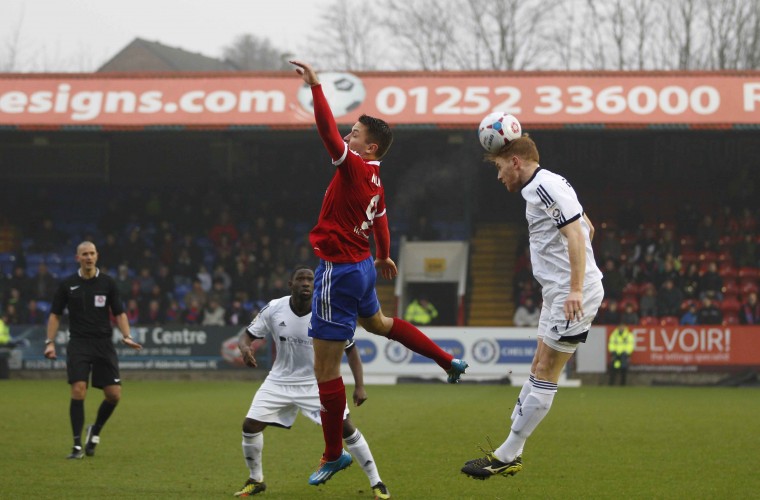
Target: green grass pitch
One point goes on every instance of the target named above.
(182, 440)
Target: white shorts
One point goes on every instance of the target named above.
(278, 404)
(552, 325)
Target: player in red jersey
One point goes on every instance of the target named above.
(344, 284)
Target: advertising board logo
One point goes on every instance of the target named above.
(484, 351)
(397, 353)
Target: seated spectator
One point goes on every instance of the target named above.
(133, 312)
(707, 234)
(21, 282)
(645, 271)
(629, 315)
(174, 314)
(646, 245)
(667, 271)
(609, 316)
(145, 282)
(749, 314)
(690, 282)
(527, 313)
(204, 277)
(711, 282)
(648, 301)
(237, 315)
(746, 251)
(612, 280)
(44, 284)
(184, 268)
(34, 315)
(709, 313)
(669, 299)
(610, 248)
(690, 317)
(668, 245)
(223, 227)
(196, 294)
(193, 314)
(218, 292)
(153, 315)
(14, 315)
(213, 314)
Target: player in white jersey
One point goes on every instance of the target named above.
(291, 384)
(563, 262)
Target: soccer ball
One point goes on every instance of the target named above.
(497, 129)
(343, 91)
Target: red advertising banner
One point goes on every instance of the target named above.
(704, 345)
(446, 99)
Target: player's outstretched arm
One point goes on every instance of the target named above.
(306, 71)
(122, 322)
(326, 125)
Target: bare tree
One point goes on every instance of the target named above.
(347, 37)
(749, 42)
(510, 34)
(11, 48)
(251, 53)
(424, 31)
(683, 24)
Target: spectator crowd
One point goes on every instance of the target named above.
(698, 269)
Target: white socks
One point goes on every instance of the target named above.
(359, 448)
(252, 446)
(527, 386)
(534, 408)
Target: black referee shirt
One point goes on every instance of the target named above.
(89, 302)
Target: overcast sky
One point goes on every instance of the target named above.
(88, 32)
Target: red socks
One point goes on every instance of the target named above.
(332, 395)
(410, 337)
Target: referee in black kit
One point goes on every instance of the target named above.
(89, 294)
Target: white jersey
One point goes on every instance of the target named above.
(551, 205)
(294, 362)
(294, 359)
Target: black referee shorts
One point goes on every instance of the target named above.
(96, 356)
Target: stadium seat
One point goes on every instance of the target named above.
(688, 242)
(649, 321)
(43, 306)
(727, 271)
(730, 305)
(633, 303)
(688, 257)
(708, 256)
(725, 257)
(730, 319)
(730, 287)
(748, 287)
(686, 303)
(669, 321)
(631, 289)
(749, 272)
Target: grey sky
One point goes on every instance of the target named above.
(71, 35)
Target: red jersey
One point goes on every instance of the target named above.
(354, 204)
